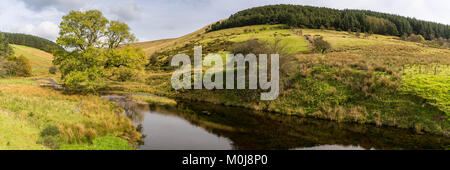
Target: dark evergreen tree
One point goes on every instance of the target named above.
(316, 17)
(31, 41)
(5, 49)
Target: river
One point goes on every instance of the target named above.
(204, 126)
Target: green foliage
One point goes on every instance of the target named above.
(320, 45)
(129, 57)
(123, 74)
(82, 30)
(102, 143)
(5, 49)
(23, 66)
(89, 63)
(51, 142)
(49, 137)
(52, 70)
(87, 81)
(315, 17)
(415, 38)
(15, 66)
(50, 131)
(381, 26)
(32, 41)
(118, 33)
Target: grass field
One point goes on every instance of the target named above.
(368, 79)
(79, 118)
(40, 60)
(26, 110)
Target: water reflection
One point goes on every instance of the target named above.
(206, 126)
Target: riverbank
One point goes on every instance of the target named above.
(364, 79)
(44, 118)
(200, 125)
(327, 100)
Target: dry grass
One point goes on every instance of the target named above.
(357, 81)
(80, 118)
(40, 60)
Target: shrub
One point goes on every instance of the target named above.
(250, 46)
(49, 137)
(320, 45)
(15, 66)
(23, 66)
(87, 81)
(51, 142)
(50, 131)
(7, 68)
(52, 70)
(415, 38)
(124, 74)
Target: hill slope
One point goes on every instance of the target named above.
(28, 110)
(316, 17)
(31, 41)
(40, 60)
(371, 78)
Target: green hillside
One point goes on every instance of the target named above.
(366, 78)
(40, 60)
(28, 111)
(341, 20)
(31, 41)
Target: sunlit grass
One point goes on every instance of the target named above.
(80, 118)
(17, 133)
(434, 88)
(156, 100)
(40, 60)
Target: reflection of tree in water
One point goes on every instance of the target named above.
(134, 111)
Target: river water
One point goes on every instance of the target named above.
(204, 126)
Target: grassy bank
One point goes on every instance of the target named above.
(34, 117)
(371, 79)
(79, 119)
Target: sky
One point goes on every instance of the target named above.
(160, 19)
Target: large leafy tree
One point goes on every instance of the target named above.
(118, 33)
(93, 48)
(81, 30)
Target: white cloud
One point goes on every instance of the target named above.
(46, 29)
(127, 11)
(157, 19)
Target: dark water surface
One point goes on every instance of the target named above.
(200, 126)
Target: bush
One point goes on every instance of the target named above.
(87, 81)
(50, 131)
(320, 45)
(49, 137)
(23, 66)
(250, 46)
(51, 142)
(7, 68)
(52, 70)
(124, 74)
(416, 38)
(15, 66)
